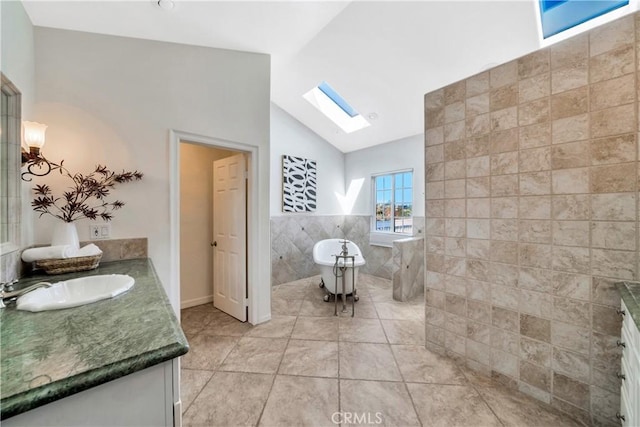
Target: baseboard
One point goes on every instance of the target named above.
(263, 319)
(196, 301)
(177, 414)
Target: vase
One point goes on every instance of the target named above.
(66, 234)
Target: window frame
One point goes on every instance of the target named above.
(382, 237)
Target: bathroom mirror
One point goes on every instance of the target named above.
(10, 125)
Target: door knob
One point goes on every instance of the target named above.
(214, 244)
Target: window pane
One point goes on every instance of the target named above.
(379, 182)
(406, 196)
(408, 180)
(407, 210)
(387, 182)
(398, 197)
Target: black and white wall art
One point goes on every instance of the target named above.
(298, 184)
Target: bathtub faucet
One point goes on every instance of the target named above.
(345, 250)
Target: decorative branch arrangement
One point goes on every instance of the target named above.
(38, 165)
(86, 198)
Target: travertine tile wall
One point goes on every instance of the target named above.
(532, 215)
(292, 240)
(293, 237)
(112, 250)
(408, 268)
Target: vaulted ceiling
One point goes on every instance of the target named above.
(382, 56)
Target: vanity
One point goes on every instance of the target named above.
(629, 414)
(106, 363)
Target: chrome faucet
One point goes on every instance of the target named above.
(8, 294)
(345, 250)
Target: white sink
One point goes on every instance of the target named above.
(75, 292)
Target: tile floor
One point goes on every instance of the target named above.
(307, 367)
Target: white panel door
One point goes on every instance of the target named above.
(229, 236)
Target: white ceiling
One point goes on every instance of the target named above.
(382, 56)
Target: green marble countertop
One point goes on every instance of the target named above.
(49, 355)
(630, 293)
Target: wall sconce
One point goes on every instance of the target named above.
(37, 164)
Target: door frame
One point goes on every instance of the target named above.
(253, 236)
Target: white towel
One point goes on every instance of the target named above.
(49, 252)
(88, 250)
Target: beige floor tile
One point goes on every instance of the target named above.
(195, 319)
(417, 364)
(260, 355)
(365, 309)
(316, 308)
(225, 325)
(354, 329)
(516, 409)
(294, 290)
(230, 399)
(404, 331)
(285, 307)
(380, 402)
(316, 328)
(365, 361)
(207, 352)
(301, 401)
(192, 382)
(305, 391)
(277, 327)
(451, 405)
(371, 282)
(315, 292)
(380, 295)
(310, 358)
(399, 311)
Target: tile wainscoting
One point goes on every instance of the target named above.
(12, 267)
(408, 271)
(293, 237)
(532, 215)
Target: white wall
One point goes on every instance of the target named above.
(17, 62)
(17, 59)
(406, 153)
(196, 222)
(289, 136)
(113, 100)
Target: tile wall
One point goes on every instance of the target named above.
(408, 268)
(112, 250)
(532, 215)
(293, 237)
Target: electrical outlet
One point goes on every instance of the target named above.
(100, 231)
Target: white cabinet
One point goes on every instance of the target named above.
(144, 398)
(629, 414)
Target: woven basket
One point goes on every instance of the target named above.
(69, 265)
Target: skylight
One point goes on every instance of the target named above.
(557, 16)
(335, 107)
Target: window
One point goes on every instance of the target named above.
(394, 202)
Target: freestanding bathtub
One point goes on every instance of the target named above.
(324, 253)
